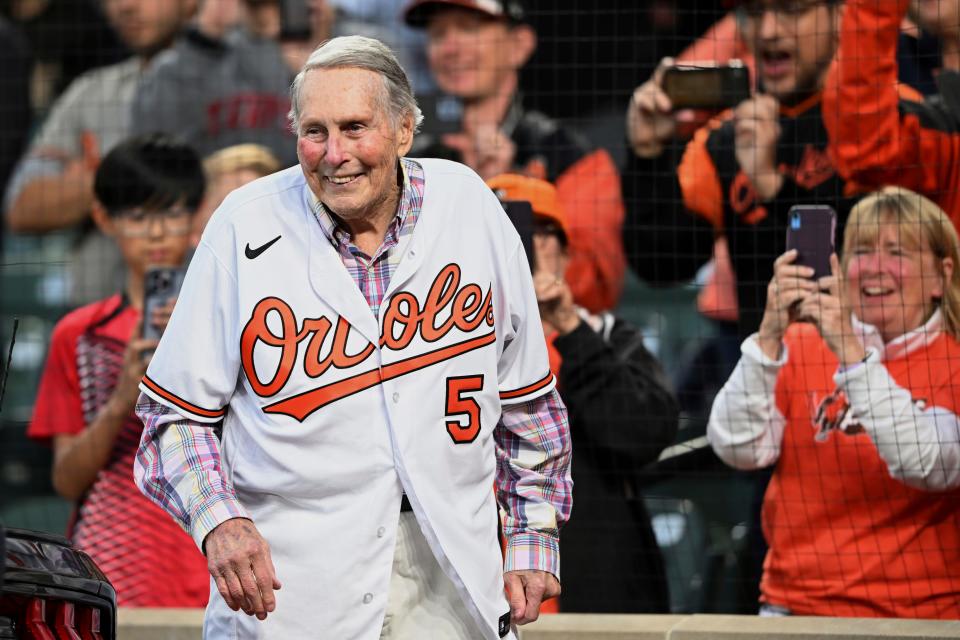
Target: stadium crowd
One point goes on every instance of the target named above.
(833, 387)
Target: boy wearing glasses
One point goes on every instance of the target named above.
(147, 190)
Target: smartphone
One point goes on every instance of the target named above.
(160, 284)
(520, 213)
(294, 20)
(811, 229)
(441, 114)
(707, 87)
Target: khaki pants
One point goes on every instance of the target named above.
(423, 603)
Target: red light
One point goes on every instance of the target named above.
(35, 621)
(88, 623)
(64, 622)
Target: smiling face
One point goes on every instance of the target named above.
(893, 279)
(349, 145)
(473, 56)
(793, 41)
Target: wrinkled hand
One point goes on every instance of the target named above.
(827, 309)
(790, 284)
(555, 301)
(756, 131)
(650, 121)
(486, 149)
(527, 589)
(134, 366)
(239, 560)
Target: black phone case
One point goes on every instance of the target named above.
(693, 87)
(811, 230)
(521, 215)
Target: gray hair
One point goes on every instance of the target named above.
(362, 53)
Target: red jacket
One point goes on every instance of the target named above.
(882, 133)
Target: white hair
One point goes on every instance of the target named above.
(362, 53)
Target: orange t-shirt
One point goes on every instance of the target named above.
(847, 539)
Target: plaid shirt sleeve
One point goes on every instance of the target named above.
(178, 468)
(534, 487)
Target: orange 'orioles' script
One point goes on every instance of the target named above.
(403, 319)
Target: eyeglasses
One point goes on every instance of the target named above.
(755, 9)
(138, 223)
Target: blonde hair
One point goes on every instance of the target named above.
(239, 157)
(921, 225)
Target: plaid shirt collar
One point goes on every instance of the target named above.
(411, 198)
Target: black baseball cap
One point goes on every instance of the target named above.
(418, 12)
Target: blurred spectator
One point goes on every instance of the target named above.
(66, 39)
(739, 175)
(146, 192)
(230, 169)
(476, 49)
(220, 85)
(883, 134)
(621, 417)
(52, 186)
(857, 407)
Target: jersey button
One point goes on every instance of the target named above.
(396, 396)
(381, 531)
(367, 598)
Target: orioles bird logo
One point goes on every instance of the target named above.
(833, 414)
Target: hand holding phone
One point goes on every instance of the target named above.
(161, 285)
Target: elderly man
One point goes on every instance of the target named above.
(366, 328)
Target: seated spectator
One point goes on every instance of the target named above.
(881, 134)
(621, 417)
(475, 50)
(52, 186)
(226, 170)
(220, 85)
(857, 408)
(146, 192)
(740, 174)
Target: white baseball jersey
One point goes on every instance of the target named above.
(331, 413)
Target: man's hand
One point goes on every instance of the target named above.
(526, 590)
(757, 131)
(486, 149)
(239, 560)
(650, 121)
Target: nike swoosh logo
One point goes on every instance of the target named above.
(253, 253)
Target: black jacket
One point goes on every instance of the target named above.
(622, 416)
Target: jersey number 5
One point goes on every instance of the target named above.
(466, 411)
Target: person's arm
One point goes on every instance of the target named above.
(178, 467)
(616, 391)
(920, 444)
(746, 427)
(534, 490)
(591, 195)
(78, 458)
(876, 137)
(52, 186)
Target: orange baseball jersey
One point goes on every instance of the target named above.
(330, 413)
